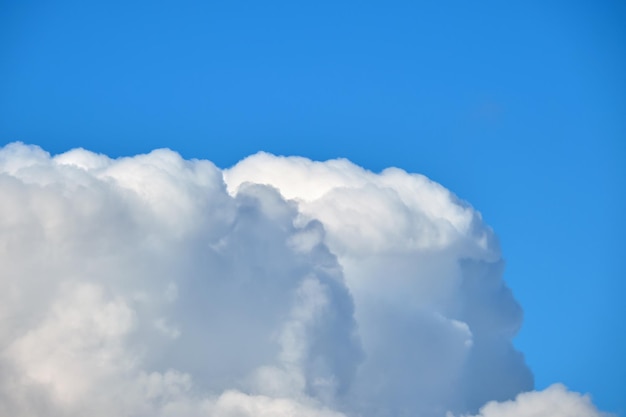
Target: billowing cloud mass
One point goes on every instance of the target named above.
(158, 286)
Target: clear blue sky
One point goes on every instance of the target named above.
(519, 107)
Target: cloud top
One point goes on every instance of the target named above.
(157, 286)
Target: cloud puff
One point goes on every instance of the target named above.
(435, 318)
(554, 401)
(158, 286)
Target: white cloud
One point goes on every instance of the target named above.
(433, 313)
(158, 286)
(554, 401)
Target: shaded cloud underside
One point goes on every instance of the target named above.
(158, 286)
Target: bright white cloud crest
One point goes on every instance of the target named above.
(158, 286)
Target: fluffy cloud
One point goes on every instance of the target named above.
(434, 316)
(554, 401)
(158, 286)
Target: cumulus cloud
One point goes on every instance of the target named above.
(554, 401)
(157, 286)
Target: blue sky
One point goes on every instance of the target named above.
(517, 107)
